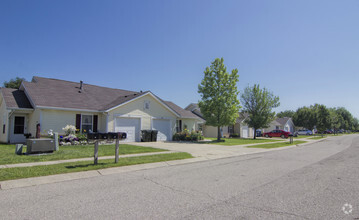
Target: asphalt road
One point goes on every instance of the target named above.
(308, 182)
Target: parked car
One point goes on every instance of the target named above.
(328, 132)
(277, 133)
(304, 132)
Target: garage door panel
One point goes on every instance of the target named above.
(131, 126)
(163, 127)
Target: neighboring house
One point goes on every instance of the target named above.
(240, 127)
(285, 124)
(53, 104)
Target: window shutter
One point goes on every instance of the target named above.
(95, 122)
(78, 121)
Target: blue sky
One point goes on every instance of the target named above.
(304, 51)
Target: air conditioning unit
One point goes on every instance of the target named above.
(43, 145)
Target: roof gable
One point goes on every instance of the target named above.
(15, 99)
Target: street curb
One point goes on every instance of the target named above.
(35, 181)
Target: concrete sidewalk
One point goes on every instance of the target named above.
(214, 152)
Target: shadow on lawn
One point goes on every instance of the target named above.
(83, 165)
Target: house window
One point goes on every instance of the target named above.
(86, 123)
(19, 125)
(277, 127)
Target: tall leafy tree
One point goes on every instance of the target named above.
(336, 120)
(323, 121)
(219, 103)
(258, 103)
(286, 113)
(14, 83)
(305, 117)
(347, 117)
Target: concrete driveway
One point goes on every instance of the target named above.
(212, 151)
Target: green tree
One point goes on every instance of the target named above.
(286, 113)
(336, 120)
(14, 83)
(219, 103)
(347, 117)
(305, 117)
(258, 103)
(323, 121)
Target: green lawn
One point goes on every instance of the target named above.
(8, 156)
(26, 172)
(239, 141)
(275, 145)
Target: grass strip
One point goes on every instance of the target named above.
(275, 145)
(8, 156)
(26, 172)
(238, 141)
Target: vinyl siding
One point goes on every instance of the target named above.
(136, 109)
(57, 119)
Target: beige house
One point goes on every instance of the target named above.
(50, 104)
(240, 128)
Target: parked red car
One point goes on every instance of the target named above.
(277, 133)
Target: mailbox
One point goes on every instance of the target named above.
(93, 136)
(103, 135)
(112, 135)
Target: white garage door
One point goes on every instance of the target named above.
(163, 127)
(245, 132)
(131, 126)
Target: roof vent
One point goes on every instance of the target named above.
(81, 86)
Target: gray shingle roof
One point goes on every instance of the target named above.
(182, 112)
(46, 92)
(64, 94)
(282, 121)
(15, 98)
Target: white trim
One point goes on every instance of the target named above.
(21, 109)
(147, 93)
(92, 122)
(107, 117)
(68, 109)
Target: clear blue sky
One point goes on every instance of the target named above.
(304, 51)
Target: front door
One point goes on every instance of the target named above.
(18, 129)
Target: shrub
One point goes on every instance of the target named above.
(234, 135)
(186, 136)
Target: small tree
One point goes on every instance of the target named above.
(14, 83)
(218, 90)
(258, 103)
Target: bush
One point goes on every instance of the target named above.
(186, 136)
(234, 135)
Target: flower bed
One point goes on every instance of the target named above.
(185, 135)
